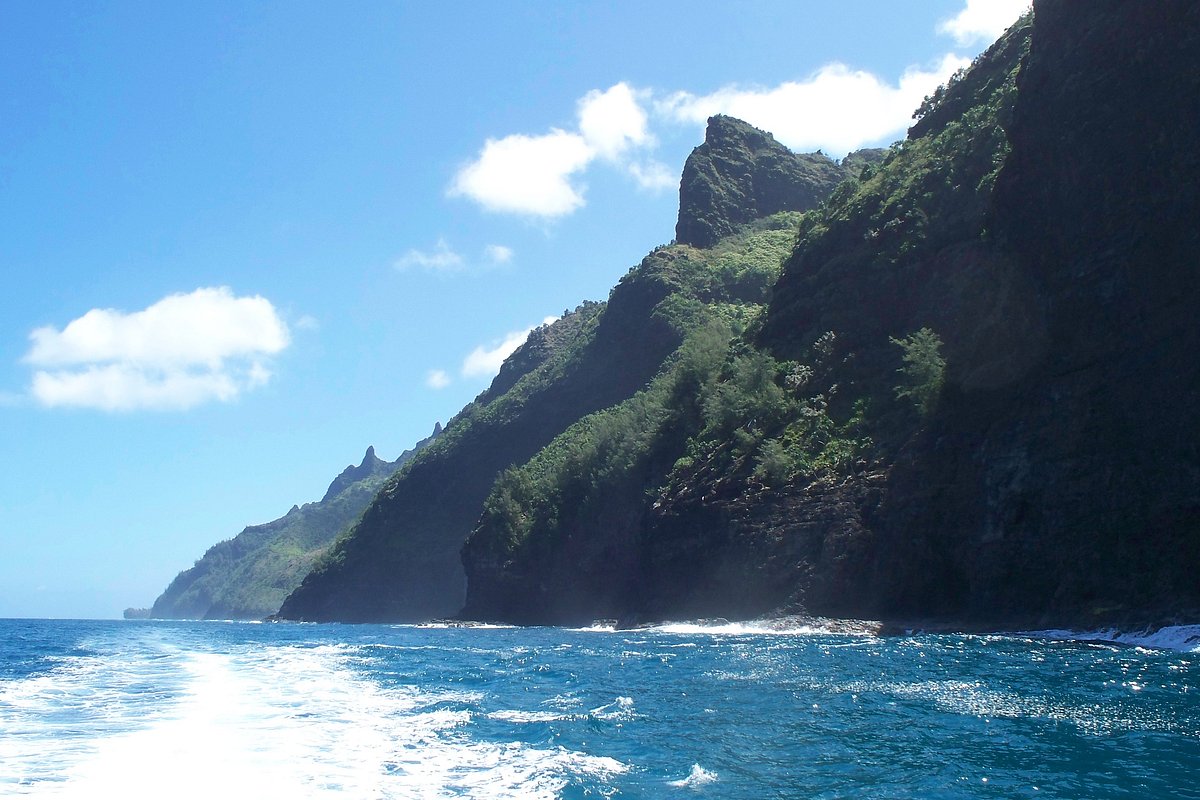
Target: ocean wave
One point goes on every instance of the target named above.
(1183, 638)
(697, 778)
(789, 626)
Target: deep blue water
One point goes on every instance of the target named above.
(222, 710)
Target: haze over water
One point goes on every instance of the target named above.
(141, 710)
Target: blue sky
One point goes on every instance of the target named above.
(242, 242)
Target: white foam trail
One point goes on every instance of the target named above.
(698, 777)
(1184, 638)
(287, 722)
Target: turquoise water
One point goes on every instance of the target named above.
(203, 710)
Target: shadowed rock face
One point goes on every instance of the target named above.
(1040, 220)
(741, 174)
(401, 562)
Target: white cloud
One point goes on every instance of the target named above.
(612, 121)
(441, 259)
(182, 351)
(653, 175)
(983, 20)
(538, 175)
(485, 361)
(437, 379)
(498, 254)
(527, 174)
(837, 109)
(308, 323)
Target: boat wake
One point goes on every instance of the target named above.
(289, 721)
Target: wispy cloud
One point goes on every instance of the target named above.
(982, 20)
(444, 259)
(497, 254)
(485, 361)
(652, 175)
(308, 323)
(184, 350)
(437, 379)
(441, 259)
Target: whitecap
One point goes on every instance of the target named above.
(697, 778)
(514, 715)
(1184, 638)
(787, 626)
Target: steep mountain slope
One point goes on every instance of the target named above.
(402, 560)
(740, 174)
(1077, 493)
(248, 576)
(970, 397)
(768, 450)
(555, 542)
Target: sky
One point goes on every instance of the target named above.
(242, 241)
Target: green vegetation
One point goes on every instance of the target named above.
(726, 437)
(718, 405)
(248, 576)
(753, 402)
(924, 369)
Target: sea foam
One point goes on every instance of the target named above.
(292, 722)
(1184, 638)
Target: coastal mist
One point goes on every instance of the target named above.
(201, 710)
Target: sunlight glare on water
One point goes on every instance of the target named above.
(192, 710)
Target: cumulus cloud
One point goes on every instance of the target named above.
(527, 174)
(440, 259)
(612, 121)
(182, 351)
(484, 361)
(837, 109)
(983, 20)
(437, 379)
(538, 176)
(497, 254)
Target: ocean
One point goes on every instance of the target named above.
(139, 709)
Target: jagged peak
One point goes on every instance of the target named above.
(370, 465)
(370, 458)
(741, 173)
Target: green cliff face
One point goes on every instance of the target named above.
(714, 491)
(248, 576)
(740, 174)
(970, 396)
(967, 392)
(402, 561)
(557, 540)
